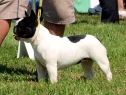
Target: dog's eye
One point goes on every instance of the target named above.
(22, 25)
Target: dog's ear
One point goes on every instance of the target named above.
(26, 14)
(33, 16)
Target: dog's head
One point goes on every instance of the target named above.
(25, 27)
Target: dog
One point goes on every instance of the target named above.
(53, 53)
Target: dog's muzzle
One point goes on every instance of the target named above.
(15, 33)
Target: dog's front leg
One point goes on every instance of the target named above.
(41, 71)
(52, 71)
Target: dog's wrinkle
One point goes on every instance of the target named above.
(23, 29)
(18, 27)
(24, 32)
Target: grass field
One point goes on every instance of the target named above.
(18, 76)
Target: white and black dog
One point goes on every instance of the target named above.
(53, 52)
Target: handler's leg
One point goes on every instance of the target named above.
(55, 29)
(4, 29)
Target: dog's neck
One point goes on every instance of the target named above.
(35, 35)
(40, 33)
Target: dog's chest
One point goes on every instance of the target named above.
(39, 58)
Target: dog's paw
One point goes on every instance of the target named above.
(109, 76)
(89, 75)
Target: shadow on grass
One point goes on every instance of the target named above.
(84, 22)
(27, 75)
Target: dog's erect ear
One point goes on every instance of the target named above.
(33, 15)
(26, 14)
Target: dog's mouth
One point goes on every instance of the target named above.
(15, 34)
(16, 37)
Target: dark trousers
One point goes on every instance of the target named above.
(109, 11)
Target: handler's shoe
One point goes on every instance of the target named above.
(122, 15)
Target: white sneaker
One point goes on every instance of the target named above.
(122, 14)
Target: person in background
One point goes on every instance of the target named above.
(121, 10)
(11, 9)
(109, 11)
(56, 14)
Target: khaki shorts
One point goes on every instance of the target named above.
(11, 9)
(59, 11)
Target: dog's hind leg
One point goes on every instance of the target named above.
(103, 63)
(41, 71)
(87, 64)
(99, 55)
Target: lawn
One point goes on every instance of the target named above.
(18, 76)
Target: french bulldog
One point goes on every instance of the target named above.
(53, 53)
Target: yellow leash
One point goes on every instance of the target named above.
(39, 11)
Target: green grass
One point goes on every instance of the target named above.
(18, 76)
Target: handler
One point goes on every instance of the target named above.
(56, 14)
(11, 9)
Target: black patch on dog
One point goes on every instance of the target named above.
(76, 38)
(26, 27)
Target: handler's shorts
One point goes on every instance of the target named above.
(59, 11)
(10, 9)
